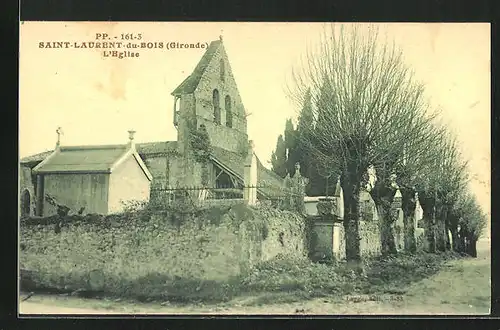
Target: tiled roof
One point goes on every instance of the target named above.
(145, 149)
(83, 158)
(267, 177)
(150, 148)
(191, 82)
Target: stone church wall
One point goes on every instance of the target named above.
(235, 138)
(225, 137)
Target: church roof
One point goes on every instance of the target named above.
(37, 158)
(189, 84)
(152, 148)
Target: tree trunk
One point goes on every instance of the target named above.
(472, 249)
(440, 229)
(447, 230)
(461, 241)
(440, 236)
(410, 239)
(454, 238)
(409, 205)
(386, 218)
(428, 203)
(383, 196)
(429, 228)
(351, 188)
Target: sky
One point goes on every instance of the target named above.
(96, 99)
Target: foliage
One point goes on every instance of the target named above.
(471, 222)
(278, 158)
(291, 145)
(200, 142)
(297, 152)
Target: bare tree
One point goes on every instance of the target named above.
(418, 164)
(362, 95)
(452, 178)
(471, 222)
(401, 166)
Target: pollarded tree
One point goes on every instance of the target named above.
(358, 84)
(399, 166)
(439, 189)
(472, 222)
(417, 164)
(452, 178)
(426, 186)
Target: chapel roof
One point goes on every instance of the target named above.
(147, 148)
(83, 159)
(88, 159)
(189, 84)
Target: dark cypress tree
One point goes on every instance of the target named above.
(291, 147)
(305, 124)
(278, 158)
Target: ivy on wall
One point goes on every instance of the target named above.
(200, 143)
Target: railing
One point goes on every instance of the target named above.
(276, 197)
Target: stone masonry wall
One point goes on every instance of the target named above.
(26, 184)
(369, 233)
(215, 245)
(285, 234)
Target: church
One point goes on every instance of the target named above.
(212, 153)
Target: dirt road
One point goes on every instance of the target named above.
(462, 287)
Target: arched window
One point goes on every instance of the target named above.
(222, 70)
(229, 114)
(25, 203)
(215, 101)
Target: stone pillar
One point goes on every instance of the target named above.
(339, 201)
(338, 240)
(321, 239)
(250, 177)
(398, 221)
(322, 231)
(300, 190)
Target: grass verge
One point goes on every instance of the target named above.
(286, 280)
